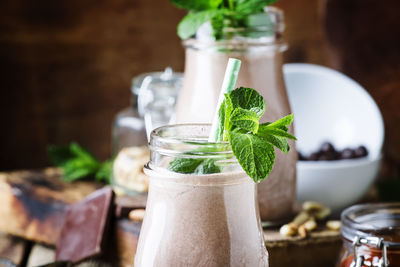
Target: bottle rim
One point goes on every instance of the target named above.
(187, 141)
(370, 220)
(191, 141)
(240, 38)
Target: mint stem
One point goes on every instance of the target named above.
(228, 84)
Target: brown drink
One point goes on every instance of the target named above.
(198, 220)
(262, 60)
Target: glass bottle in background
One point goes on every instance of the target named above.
(153, 104)
(198, 219)
(260, 49)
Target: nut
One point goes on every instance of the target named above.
(312, 206)
(334, 225)
(322, 214)
(288, 230)
(137, 215)
(303, 231)
(316, 210)
(301, 218)
(310, 225)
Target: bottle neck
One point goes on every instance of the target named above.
(262, 30)
(178, 151)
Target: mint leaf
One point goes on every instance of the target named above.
(104, 171)
(245, 119)
(279, 142)
(217, 24)
(269, 130)
(196, 4)
(59, 155)
(252, 143)
(228, 14)
(247, 7)
(247, 98)
(184, 165)
(283, 122)
(207, 166)
(192, 165)
(254, 155)
(78, 163)
(192, 22)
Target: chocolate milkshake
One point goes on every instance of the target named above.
(262, 60)
(198, 219)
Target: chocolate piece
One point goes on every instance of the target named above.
(84, 227)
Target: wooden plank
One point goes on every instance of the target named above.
(34, 202)
(123, 242)
(322, 248)
(12, 248)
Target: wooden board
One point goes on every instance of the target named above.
(322, 248)
(13, 248)
(34, 202)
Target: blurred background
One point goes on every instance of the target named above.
(66, 66)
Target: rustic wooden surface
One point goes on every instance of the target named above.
(65, 68)
(322, 248)
(34, 202)
(33, 206)
(13, 248)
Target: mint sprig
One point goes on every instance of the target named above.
(78, 163)
(222, 14)
(252, 143)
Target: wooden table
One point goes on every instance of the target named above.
(33, 209)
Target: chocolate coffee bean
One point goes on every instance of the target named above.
(360, 152)
(327, 151)
(301, 156)
(313, 156)
(327, 147)
(347, 154)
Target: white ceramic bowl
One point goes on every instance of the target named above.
(329, 106)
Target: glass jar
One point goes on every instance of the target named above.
(261, 53)
(371, 235)
(198, 219)
(153, 103)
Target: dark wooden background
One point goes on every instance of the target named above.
(66, 66)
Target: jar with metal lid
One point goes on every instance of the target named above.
(153, 103)
(371, 235)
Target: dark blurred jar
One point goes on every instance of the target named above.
(153, 103)
(371, 236)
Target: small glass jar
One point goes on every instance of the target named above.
(371, 235)
(153, 102)
(198, 219)
(260, 48)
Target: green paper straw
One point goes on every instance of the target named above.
(230, 78)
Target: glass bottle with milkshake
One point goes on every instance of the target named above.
(202, 205)
(256, 38)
